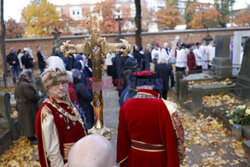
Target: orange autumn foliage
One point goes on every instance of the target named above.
(204, 16)
(107, 8)
(13, 29)
(168, 18)
(243, 17)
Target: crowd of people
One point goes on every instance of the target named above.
(149, 133)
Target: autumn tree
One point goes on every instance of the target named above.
(188, 16)
(224, 7)
(107, 9)
(168, 18)
(40, 18)
(243, 17)
(13, 29)
(204, 16)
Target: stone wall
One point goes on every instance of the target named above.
(166, 36)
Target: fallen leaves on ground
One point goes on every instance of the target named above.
(20, 154)
(219, 100)
(211, 143)
(226, 81)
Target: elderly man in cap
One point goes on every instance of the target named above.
(91, 151)
(146, 134)
(27, 104)
(58, 121)
(14, 64)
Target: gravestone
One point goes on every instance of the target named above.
(243, 80)
(178, 77)
(4, 110)
(222, 64)
(246, 145)
(237, 40)
(183, 90)
(9, 130)
(197, 94)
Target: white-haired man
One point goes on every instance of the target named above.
(91, 151)
(165, 52)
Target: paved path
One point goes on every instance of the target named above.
(208, 143)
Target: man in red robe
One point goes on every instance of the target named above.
(58, 122)
(146, 136)
(191, 63)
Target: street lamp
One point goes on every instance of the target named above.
(119, 18)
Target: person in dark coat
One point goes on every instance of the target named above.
(163, 72)
(147, 56)
(137, 55)
(41, 59)
(13, 62)
(27, 104)
(27, 60)
(84, 98)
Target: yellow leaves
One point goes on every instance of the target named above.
(218, 100)
(238, 149)
(40, 18)
(20, 154)
(227, 81)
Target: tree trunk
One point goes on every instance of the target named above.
(3, 43)
(138, 23)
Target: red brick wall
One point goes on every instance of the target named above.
(168, 36)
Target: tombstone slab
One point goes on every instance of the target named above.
(243, 80)
(183, 90)
(246, 145)
(178, 77)
(4, 110)
(197, 94)
(222, 63)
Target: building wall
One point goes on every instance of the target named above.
(186, 36)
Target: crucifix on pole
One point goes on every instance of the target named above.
(119, 18)
(96, 47)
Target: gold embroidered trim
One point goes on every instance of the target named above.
(123, 160)
(136, 141)
(162, 150)
(44, 150)
(77, 116)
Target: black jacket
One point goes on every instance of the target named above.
(27, 61)
(12, 59)
(163, 72)
(41, 61)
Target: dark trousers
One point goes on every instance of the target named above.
(199, 69)
(209, 66)
(182, 69)
(109, 70)
(164, 94)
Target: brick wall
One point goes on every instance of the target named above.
(166, 36)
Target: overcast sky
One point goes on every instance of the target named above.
(13, 8)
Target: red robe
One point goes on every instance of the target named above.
(72, 92)
(75, 133)
(144, 125)
(191, 63)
